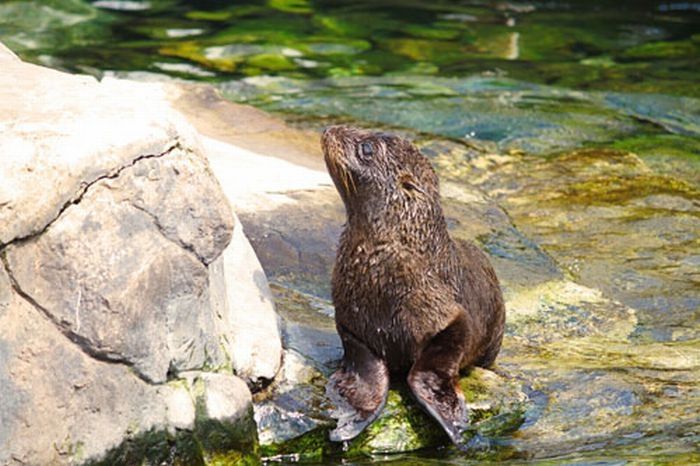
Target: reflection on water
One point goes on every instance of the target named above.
(646, 46)
(566, 134)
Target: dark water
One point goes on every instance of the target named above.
(587, 116)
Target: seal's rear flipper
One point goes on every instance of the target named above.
(433, 380)
(358, 389)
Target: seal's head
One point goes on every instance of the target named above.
(380, 177)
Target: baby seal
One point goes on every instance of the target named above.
(409, 301)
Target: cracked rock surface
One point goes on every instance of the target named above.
(123, 272)
(120, 284)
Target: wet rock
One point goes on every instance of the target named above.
(295, 418)
(555, 325)
(611, 223)
(296, 402)
(496, 406)
(224, 424)
(298, 248)
(561, 309)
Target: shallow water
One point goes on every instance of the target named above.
(567, 136)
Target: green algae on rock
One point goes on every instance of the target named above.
(496, 405)
(610, 221)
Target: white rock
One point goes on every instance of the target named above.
(179, 407)
(255, 345)
(226, 397)
(256, 182)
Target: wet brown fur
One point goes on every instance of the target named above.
(408, 299)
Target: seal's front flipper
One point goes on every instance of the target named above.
(433, 379)
(358, 389)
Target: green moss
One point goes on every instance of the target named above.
(670, 145)
(155, 447)
(668, 154)
(473, 387)
(403, 426)
(604, 61)
(209, 15)
(270, 62)
(217, 438)
(222, 440)
(238, 11)
(359, 24)
(312, 446)
(325, 45)
(432, 31)
(551, 41)
(496, 426)
(234, 458)
(193, 51)
(179, 448)
(339, 26)
(434, 51)
(653, 50)
(291, 6)
(616, 190)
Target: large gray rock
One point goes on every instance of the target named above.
(119, 307)
(251, 180)
(125, 276)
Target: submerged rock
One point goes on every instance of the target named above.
(611, 223)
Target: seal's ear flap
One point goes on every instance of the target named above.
(409, 184)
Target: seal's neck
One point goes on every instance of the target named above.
(422, 229)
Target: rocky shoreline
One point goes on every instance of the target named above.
(138, 320)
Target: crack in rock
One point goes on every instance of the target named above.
(163, 231)
(83, 343)
(85, 186)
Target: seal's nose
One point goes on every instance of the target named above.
(327, 129)
(325, 133)
(329, 132)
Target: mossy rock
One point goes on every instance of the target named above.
(292, 6)
(194, 52)
(155, 447)
(271, 62)
(433, 51)
(175, 448)
(496, 404)
(660, 50)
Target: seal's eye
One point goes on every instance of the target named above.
(365, 150)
